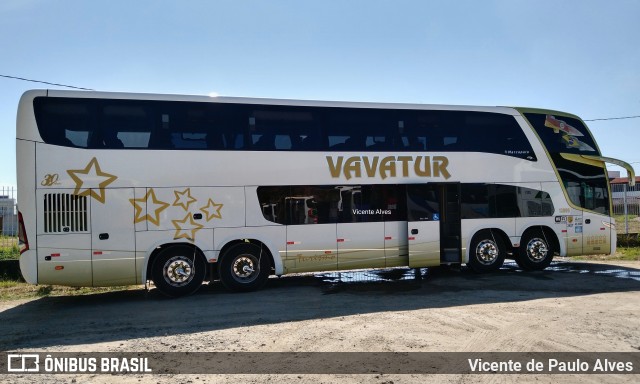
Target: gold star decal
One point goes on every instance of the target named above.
(91, 181)
(212, 210)
(148, 203)
(183, 233)
(183, 199)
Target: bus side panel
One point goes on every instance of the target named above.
(26, 169)
(58, 263)
(311, 248)
(570, 245)
(360, 245)
(596, 232)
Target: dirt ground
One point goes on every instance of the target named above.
(571, 307)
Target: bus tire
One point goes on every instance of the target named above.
(244, 267)
(178, 270)
(535, 252)
(487, 252)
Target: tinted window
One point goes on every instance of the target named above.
(423, 202)
(65, 122)
(124, 125)
(297, 205)
(502, 201)
(274, 128)
(98, 123)
(194, 126)
(586, 185)
(457, 131)
(562, 134)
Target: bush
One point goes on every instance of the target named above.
(631, 240)
(9, 253)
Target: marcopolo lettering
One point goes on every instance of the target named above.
(388, 166)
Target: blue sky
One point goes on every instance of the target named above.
(581, 57)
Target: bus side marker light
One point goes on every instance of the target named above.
(412, 238)
(59, 267)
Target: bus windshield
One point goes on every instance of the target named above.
(563, 134)
(586, 184)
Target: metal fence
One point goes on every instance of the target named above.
(626, 208)
(8, 219)
(8, 212)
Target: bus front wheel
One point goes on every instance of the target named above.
(244, 267)
(178, 270)
(535, 252)
(487, 252)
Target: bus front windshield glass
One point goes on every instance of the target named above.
(586, 184)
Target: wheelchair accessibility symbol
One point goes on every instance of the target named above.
(436, 217)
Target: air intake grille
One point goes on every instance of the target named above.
(65, 213)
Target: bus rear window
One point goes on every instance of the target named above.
(65, 122)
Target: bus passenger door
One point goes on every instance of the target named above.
(423, 215)
(433, 213)
(113, 238)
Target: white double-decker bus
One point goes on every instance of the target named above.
(119, 189)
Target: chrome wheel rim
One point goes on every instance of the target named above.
(487, 252)
(537, 250)
(178, 271)
(245, 268)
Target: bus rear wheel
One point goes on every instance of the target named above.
(487, 252)
(178, 270)
(244, 267)
(535, 252)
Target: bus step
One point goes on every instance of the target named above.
(451, 255)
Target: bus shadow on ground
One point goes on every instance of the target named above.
(123, 315)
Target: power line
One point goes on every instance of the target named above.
(45, 82)
(89, 89)
(614, 118)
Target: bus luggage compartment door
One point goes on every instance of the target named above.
(113, 238)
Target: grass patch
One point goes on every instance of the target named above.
(9, 253)
(622, 254)
(9, 248)
(629, 253)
